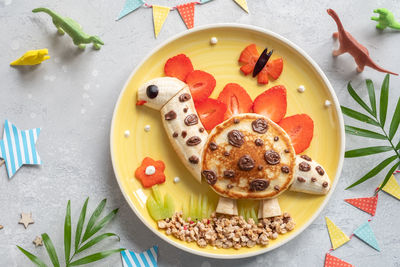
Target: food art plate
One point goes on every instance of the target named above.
(221, 60)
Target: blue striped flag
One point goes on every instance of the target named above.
(18, 147)
(144, 259)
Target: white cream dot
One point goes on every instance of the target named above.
(177, 180)
(301, 89)
(127, 133)
(150, 170)
(147, 128)
(327, 103)
(213, 40)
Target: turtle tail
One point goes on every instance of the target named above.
(396, 25)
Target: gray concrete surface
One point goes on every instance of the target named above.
(72, 97)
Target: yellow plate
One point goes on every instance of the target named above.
(221, 60)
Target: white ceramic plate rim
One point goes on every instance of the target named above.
(338, 113)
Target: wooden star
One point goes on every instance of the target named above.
(38, 241)
(26, 219)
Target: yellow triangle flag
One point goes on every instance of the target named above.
(392, 187)
(160, 14)
(242, 4)
(338, 238)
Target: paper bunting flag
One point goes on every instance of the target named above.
(18, 147)
(160, 14)
(144, 259)
(130, 5)
(338, 238)
(242, 4)
(392, 187)
(187, 13)
(365, 233)
(367, 204)
(332, 261)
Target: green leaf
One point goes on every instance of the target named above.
(96, 214)
(96, 240)
(358, 116)
(358, 99)
(50, 250)
(67, 233)
(360, 152)
(374, 171)
(362, 132)
(79, 226)
(394, 125)
(33, 258)
(388, 175)
(398, 145)
(95, 257)
(384, 100)
(371, 93)
(100, 225)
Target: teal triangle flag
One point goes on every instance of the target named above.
(365, 233)
(204, 1)
(130, 5)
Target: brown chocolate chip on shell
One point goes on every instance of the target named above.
(229, 186)
(276, 138)
(301, 179)
(236, 120)
(193, 141)
(286, 150)
(210, 176)
(185, 110)
(246, 163)
(259, 142)
(229, 174)
(277, 188)
(285, 169)
(191, 119)
(226, 153)
(236, 138)
(184, 97)
(184, 134)
(170, 115)
(201, 129)
(175, 135)
(260, 167)
(313, 179)
(272, 157)
(306, 157)
(260, 126)
(325, 184)
(212, 146)
(320, 170)
(258, 185)
(304, 166)
(194, 159)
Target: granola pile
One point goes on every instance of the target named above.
(223, 231)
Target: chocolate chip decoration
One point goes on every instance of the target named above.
(212, 146)
(313, 179)
(301, 179)
(258, 185)
(194, 159)
(276, 138)
(191, 119)
(246, 163)
(259, 142)
(236, 121)
(260, 167)
(285, 169)
(229, 174)
(260, 126)
(193, 141)
(304, 166)
(325, 184)
(277, 188)
(185, 110)
(226, 153)
(175, 135)
(171, 115)
(272, 157)
(229, 186)
(306, 157)
(286, 150)
(184, 97)
(235, 138)
(201, 129)
(210, 176)
(320, 170)
(184, 134)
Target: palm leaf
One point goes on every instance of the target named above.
(50, 250)
(100, 225)
(95, 257)
(358, 99)
(67, 233)
(394, 125)
(79, 226)
(96, 214)
(360, 152)
(374, 171)
(32, 257)
(96, 240)
(371, 93)
(362, 132)
(384, 100)
(358, 116)
(388, 175)
(398, 145)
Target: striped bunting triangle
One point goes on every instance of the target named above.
(18, 147)
(147, 258)
(338, 238)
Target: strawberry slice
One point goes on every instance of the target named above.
(249, 54)
(262, 77)
(248, 68)
(236, 99)
(274, 68)
(272, 103)
(300, 128)
(211, 112)
(178, 66)
(201, 84)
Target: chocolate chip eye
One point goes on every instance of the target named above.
(152, 91)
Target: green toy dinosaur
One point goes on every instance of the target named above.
(385, 19)
(72, 28)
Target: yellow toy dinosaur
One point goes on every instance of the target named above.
(32, 57)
